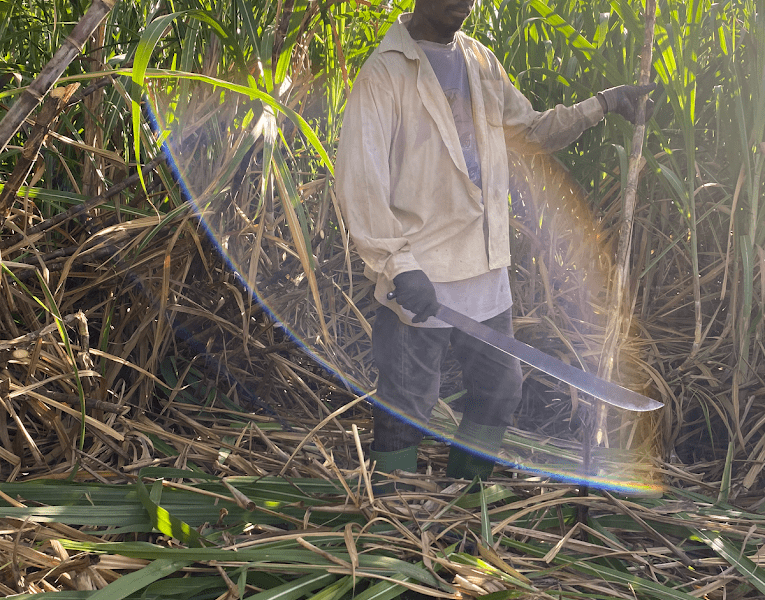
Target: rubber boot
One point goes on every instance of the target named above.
(387, 462)
(466, 465)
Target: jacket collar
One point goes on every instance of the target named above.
(397, 39)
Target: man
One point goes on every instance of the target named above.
(422, 179)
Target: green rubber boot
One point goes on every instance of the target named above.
(387, 462)
(466, 465)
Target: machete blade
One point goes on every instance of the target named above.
(607, 391)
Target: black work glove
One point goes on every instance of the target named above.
(622, 100)
(415, 293)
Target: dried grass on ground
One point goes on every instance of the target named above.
(178, 367)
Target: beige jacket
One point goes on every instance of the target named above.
(401, 177)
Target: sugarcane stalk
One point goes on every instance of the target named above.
(620, 313)
(72, 46)
(619, 318)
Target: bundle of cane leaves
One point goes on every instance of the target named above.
(273, 536)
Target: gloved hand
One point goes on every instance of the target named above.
(622, 100)
(415, 293)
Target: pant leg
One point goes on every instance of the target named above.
(493, 379)
(408, 361)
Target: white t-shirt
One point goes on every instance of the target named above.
(486, 295)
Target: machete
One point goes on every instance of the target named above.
(609, 392)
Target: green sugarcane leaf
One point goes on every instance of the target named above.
(722, 498)
(163, 521)
(187, 587)
(295, 589)
(734, 556)
(635, 584)
(132, 582)
(576, 41)
(253, 93)
(62, 595)
(337, 590)
(485, 520)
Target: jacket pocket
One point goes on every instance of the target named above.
(493, 101)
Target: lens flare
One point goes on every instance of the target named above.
(225, 157)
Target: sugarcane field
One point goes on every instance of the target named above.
(545, 213)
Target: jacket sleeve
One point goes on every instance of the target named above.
(530, 132)
(362, 175)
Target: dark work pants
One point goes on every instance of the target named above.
(409, 362)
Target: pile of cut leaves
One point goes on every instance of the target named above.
(174, 533)
(204, 500)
